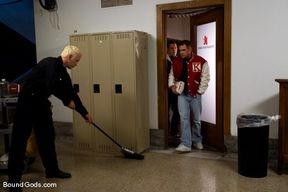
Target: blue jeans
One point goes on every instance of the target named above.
(187, 104)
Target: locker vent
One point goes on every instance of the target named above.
(100, 37)
(79, 38)
(123, 36)
(83, 145)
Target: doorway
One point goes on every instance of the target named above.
(222, 98)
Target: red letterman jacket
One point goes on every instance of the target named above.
(197, 71)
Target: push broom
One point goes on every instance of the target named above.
(129, 154)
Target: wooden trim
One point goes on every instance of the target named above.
(227, 68)
(191, 4)
(282, 125)
(162, 72)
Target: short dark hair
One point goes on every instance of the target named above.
(171, 41)
(185, 42)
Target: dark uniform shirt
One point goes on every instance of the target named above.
(50, 77)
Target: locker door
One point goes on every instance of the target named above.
(124, 87)
(80, 79)
(102, 93)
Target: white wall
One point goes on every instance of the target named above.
(259, 43)
(259, 48)
(87, 16)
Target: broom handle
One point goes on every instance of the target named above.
(106, 134)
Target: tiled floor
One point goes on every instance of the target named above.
(160, 171)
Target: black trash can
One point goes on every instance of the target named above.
(253, 141)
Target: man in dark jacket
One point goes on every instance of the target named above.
(172, 98)
(48, 77)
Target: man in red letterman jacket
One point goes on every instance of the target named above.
(193, 71)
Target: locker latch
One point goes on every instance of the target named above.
(118, 88)
(96, 88)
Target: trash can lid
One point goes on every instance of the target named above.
(253, 120)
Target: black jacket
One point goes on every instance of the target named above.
(50, 77)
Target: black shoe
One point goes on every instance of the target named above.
(58, 174)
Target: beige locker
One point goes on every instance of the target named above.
(81, 129)
(118, 79)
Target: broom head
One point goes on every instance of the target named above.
(129, 154)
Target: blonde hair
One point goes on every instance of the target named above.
(70, 50)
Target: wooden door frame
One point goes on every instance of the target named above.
(162, 10)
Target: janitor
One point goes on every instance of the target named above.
(48, 77)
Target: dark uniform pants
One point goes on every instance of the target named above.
(35, 112)
(175, 120)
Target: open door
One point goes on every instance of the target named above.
(207, 38)
(223, 92)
